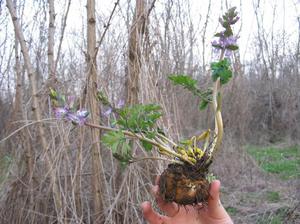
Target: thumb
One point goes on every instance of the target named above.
(214, 191)
(215, 208)
(151, 216)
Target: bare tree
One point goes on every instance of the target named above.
(63, 28)
(98, 179)
(134, 51)
(60, 173)
(204, 37)
(51, 32)
(35, 101)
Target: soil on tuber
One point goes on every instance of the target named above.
(185, 184)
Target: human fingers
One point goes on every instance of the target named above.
(170, 209)
(151, 216)
(215, 208)
(214, 191)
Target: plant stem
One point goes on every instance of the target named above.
(166, 139)
(162, 148)
(222, 55)
(218, 119)
(218, 115)
(155, 158)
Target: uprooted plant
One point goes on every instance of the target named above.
(186, 180)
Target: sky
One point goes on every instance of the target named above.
(286, 13)
(284, 23)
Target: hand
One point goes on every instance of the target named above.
(174, 214)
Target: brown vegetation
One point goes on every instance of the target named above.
(59, 173)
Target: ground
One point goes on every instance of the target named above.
(268, 194)
(259, 184)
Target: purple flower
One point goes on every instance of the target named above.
(231, 40)
(72, 117)
(78, 117)
(214, 43)
(228, 44)
(228, 53)
(233, 20)
(224, 42)
(108, 112)
(120, 104)
(60, 112)
(82, 113)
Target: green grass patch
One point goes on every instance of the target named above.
(276, 217)
(273, 196)
(282, 161)
(231, 210)
(5, 163)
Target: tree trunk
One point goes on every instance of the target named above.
(51, 31)
(98, 178)
(35, 103)
(134, 52)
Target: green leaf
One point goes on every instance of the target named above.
(126, 154)
(139, 117)
(228, 32)
(57, 99)
(183, 80)
(185, 142)
(124, 160)
(210, 177)
(53, 94)
(61, 100)
(147, 146)
(161, 131)
(103, 98)
(217, 46)
(190, 84)
(232, 47)
(120, 148)
(113, 139)
(221, 69)
(231, 12)
(225, 24)
(203, 104)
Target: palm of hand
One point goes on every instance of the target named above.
(213, 214)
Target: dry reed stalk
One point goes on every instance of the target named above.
(35, 102)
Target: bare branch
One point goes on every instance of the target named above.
(64, 24)
(106, 26)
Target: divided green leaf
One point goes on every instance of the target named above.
(147, 146)
(183, 80)
(203, 104)
(221, 70)
(58, 100)
(232, 47)
(53, 94)
(116, 141)
(191, 84)
(103, 98)
(113, 139)
(139, 118)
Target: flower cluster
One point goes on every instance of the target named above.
(227, 42)
(111, 109)
(101, 96)
(65, 109)
(77, 117)
(230, 18)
